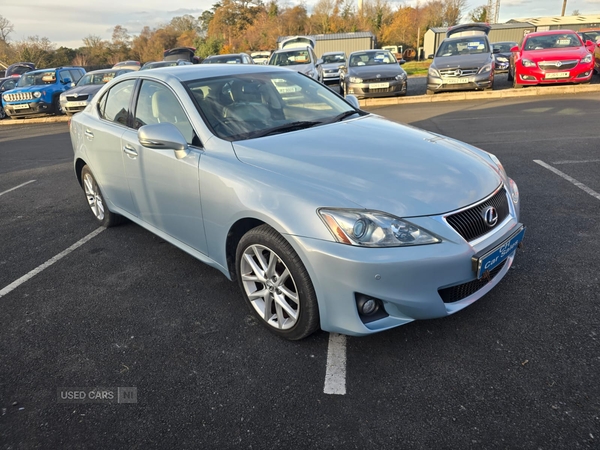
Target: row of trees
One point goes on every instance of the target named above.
(232, 26)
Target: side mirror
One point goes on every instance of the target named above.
(496, 50)
(319, 62)
(353, 101)
(430, 56)
(514, 49)
(589, 43)
(163, 136)
(401, 61)
(67, 81)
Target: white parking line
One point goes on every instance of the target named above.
(568, 178)
(34, 272)
(17, 187)
(577, 162)
(335, 376)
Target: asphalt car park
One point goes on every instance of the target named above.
(517, 369)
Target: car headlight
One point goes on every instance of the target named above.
(501, 59)
(365, 228)
(587, 59)
(37, 94)
(514, 191)
(355, 80)
(486, 68)
(400, 77)
(498, 164)
(527, 63)
(433, 72)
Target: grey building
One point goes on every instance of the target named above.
(574, 23)
(340, 42)
(500, 32)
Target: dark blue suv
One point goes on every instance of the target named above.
(38, 91)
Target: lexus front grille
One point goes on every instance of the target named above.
(470, 223)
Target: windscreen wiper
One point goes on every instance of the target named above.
(342, 116)
(293, 126)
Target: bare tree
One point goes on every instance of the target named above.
(6, 27)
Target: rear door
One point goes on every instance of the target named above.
(103, 142)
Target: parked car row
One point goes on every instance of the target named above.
(466, 60)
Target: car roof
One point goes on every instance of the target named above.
(198, 71)
(334, 53)
(53, 68)
(549, 33)
(375, 50)
(95, 72)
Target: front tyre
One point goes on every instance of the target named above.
(56, 106)
(275, 284)
(96, 202)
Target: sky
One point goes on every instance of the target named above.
(67, 22)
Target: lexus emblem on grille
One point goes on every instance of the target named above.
(558, 64)
(490, 215)
(75, 95)
(378, 76)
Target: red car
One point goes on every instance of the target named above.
(550, 57)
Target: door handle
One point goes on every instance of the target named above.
(130, 151)
(89, 134)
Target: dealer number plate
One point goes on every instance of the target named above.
(494, 257)
(379, 85)
(22, 106)
(455, 80)
(557, 75)
(77, 103)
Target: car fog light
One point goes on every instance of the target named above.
(367, 306)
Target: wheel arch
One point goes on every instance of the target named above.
(235, 233)
(79, 164)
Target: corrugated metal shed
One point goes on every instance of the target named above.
(342, 42)
(499, 32)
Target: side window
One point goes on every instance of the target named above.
(10, 84)
(114, 106)
(157, 104)
(75, 75)
(65, 75)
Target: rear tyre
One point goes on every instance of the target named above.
(96, 202)
(509, 76)
(275, 284)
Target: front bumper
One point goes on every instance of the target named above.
(331, 78)
(501, 67)
(439, 84)
(582, 73)
(366, 90)
(412, 283)
(27, 108)
(72, 107)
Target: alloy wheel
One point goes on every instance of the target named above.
(270, 287)
(93, 196)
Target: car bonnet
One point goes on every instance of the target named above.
(464, 61)
(376, 164)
